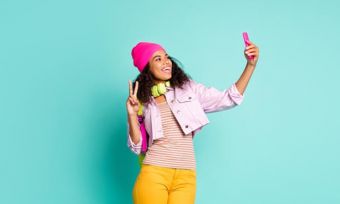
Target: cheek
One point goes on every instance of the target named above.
(155, 68)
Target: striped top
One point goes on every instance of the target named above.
(175, 149)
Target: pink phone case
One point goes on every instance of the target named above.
(246, 38)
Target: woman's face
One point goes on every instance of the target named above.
(160, 66)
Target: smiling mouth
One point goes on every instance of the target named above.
(166, 69)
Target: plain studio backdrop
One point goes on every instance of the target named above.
(64, 71)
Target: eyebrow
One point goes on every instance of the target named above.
(160, 56)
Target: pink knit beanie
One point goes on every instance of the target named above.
(142, 52)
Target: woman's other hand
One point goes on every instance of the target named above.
(132, 103)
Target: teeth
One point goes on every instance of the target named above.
(166, 69)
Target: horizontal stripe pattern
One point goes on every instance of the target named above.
(175, 149)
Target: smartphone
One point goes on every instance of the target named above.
(246, 38)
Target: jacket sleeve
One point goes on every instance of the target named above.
(135, 148)
(213, 100)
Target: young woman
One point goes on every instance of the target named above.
(174, 110)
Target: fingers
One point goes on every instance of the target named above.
(133, 92)
(136, 89)
(130, 88)
(133, 101)
(250, 46)
(251, 50)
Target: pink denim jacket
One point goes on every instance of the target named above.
(189, 105)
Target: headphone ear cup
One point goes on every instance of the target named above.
(154, 91)
(161, 88)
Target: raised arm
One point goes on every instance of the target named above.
(134, 133)
(243, 81)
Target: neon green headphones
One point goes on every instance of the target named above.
(159, 89)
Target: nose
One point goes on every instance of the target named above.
(166, 61)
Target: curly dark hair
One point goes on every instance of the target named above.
(145, 80)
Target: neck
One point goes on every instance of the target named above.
(158, 81)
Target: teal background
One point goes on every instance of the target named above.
(64, 71)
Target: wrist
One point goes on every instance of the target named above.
(250, 65)
(132, 116)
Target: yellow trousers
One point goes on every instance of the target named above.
(161, 185)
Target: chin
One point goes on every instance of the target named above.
(165, 78)
(168, 78)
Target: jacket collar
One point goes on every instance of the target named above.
(178, 93)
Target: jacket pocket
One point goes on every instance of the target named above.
(192, 112)
(186, 98)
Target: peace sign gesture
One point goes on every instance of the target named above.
(132, 103)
